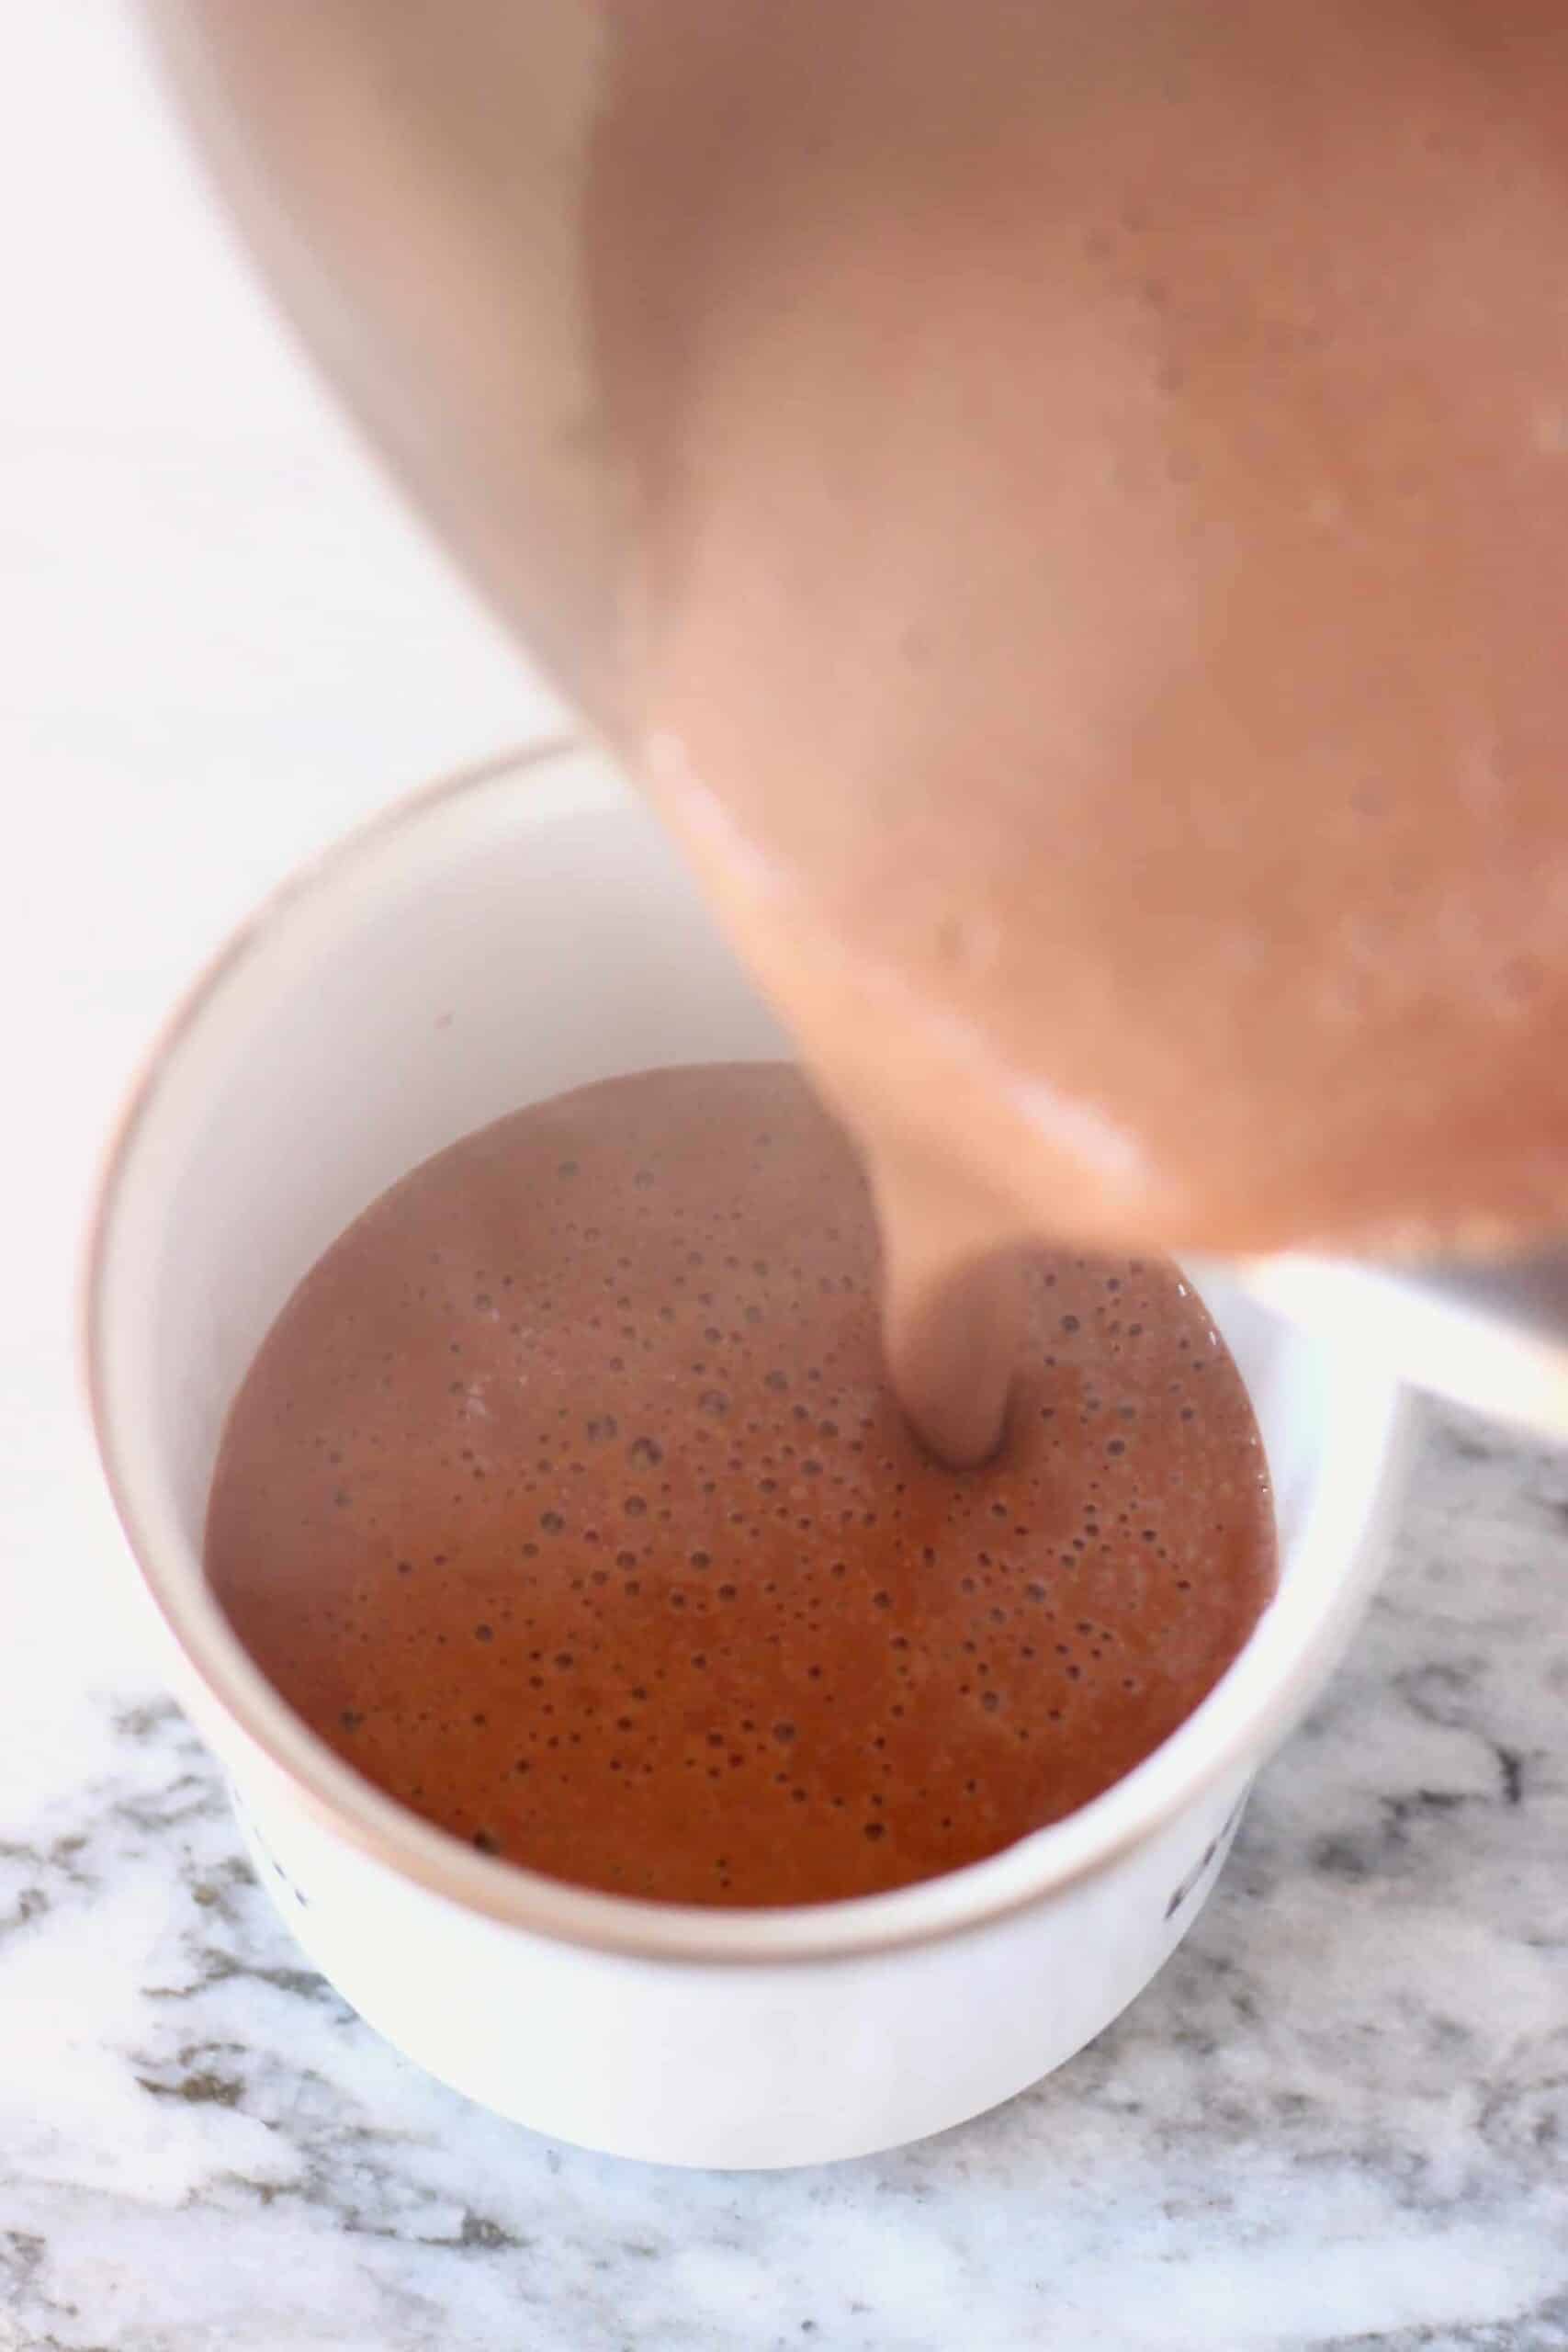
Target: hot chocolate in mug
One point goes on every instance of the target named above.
(504, 937)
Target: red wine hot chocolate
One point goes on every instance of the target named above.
(566, 1500)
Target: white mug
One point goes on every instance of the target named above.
(509, 934)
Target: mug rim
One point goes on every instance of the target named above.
(1231, 1728)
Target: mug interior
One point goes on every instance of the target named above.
(524, 931)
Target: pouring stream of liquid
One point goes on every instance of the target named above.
(1086, 505)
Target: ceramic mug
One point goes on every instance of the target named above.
(512, 933)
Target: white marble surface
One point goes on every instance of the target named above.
(1340, 2119)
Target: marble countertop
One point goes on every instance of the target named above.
(1339, 2118)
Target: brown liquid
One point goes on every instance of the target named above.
(1100, 506)
(1067, 506)
(567, 1501)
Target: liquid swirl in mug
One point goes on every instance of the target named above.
(567, 1500)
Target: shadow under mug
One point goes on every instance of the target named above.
(516, 931)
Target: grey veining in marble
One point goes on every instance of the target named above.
(1340, 2119)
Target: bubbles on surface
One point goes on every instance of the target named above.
(715, 1624)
